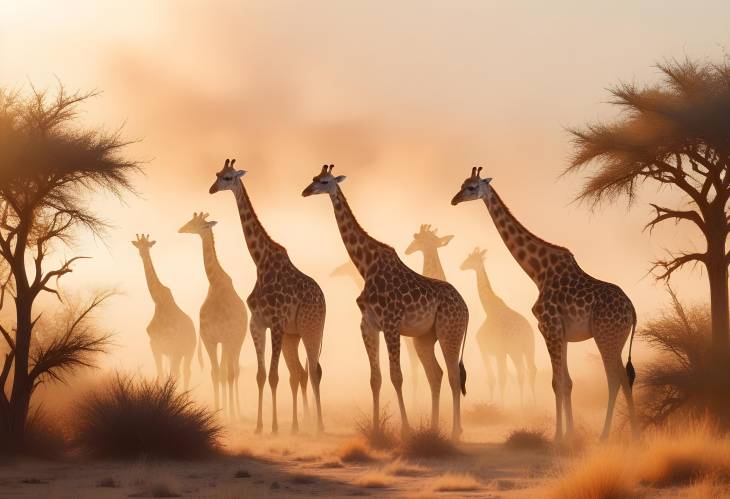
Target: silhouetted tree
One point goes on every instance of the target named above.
(48, 168)
(675, 134)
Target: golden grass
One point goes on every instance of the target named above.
(404, 468)
(425, 443)
(706, 489)
(455, 482)
(355, 451)
(602, 475)
(533, 439)
(377, 479)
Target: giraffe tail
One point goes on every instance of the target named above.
(200, 352)
(630, 371)
(462, 375)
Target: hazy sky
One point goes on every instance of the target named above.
(403, 98)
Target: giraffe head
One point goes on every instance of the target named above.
(227, 177)
(426, 239)
(198, 224)
(474, 187)
(475, 260)
(143, 243)
(324, 183)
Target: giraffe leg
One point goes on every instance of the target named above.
(303, 385)
(372, 346)
(258, 335)
(567, 392)
(424, 348)
(392, 342)
(450, 347)
(236, 366)
(554, 340)
(277, 336)
(486, 360)
(175, 362)
(157, 355)
(231, 367)
(502, 373)
(212, 349)
(520, 371)
(290, 349)
(414, 370)
(312, 343)
(188, 359)
(531, 374)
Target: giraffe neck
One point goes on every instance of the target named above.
(158, 291)
(490, 301)
(213, 269)
(258, 241)
(361, 247)
(432, 265)
(533, 254)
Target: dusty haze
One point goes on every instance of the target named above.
(403, 99)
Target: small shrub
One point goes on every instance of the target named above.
(484, 413)
(527, 439)
(602, 475)
(355, 451)
(425, 442)
(374, 480)
(131, 419)
(383, 437)
(456, 482)
(302, 479)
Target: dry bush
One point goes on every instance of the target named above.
(605, 474)
(456, 482)
(705, 489)
(128, 419)
(683, 458)
(425, 442)
(383, 437)
(404, 468)
(355, 451)
(374, 480)
(681, 380)
(532, 439)
(484, 413)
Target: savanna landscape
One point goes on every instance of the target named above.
(487, 242)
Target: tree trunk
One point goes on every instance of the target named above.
(22, 384)
(717, 275)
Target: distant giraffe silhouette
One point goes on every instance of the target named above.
(284, 300)
(504, 333)
(223, 318)
(171, 331)
(427, 242)
(399, 301)
(571, 306)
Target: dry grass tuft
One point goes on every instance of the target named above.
(527, 439)
(131, 419)
(375, 480)
(484, 413)
(685, 458)
(404, 468)
(303, 479)
(425, 442)
(456, 482)
(384, 437)
(706, 489)
(355, 451)
(605, 474)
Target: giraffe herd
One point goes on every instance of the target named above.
(424, 309)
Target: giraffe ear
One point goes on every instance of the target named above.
(340, 178)
(487, 180)
(443, 241)
(210, 223)
(152, 243)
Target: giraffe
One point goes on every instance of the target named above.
(571, 306)
(284, 300)
(223, 319)
(504, 333)
(427, 242)
(399, 301)
(171, 331)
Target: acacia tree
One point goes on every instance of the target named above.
(48, 167)
(675, 134)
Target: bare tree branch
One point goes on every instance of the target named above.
(668, 214)
(669, 266)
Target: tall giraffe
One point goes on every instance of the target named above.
(399, 301)
(504, 333)
(171, 331)
(223, 319)
(284, 300)
(427, 242)
(572, 306)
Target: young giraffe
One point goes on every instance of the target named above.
(427, 242)
(572, 306)
(504, 333)
(283, 300)
(223, 319)
(399, 301)
(171, 331)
